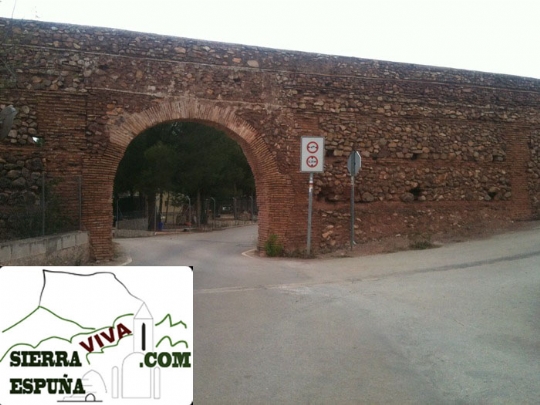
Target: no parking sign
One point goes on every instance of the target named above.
(312, 154)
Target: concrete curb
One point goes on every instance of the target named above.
(250, 253)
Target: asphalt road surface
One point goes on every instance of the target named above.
(455, 325)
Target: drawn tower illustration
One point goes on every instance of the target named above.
(143, 331)
(136, 380)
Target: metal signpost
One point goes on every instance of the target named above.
(354, 163)
(311, 161)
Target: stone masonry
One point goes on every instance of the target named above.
(442, 148)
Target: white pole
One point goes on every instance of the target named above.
(310, 206)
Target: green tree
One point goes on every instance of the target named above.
(158, 168)
(184, 157)
(148, 167)
(212, 165)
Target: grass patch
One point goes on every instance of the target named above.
(420, 242)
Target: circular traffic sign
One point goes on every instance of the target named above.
(312, 147)
(312, 161)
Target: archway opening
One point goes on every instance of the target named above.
(183, 175)
(275, 188)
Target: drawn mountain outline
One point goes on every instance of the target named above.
(166, 336)
(171, 324)
(19, 331)
(92, 299)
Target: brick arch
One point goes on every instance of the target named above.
(99, 173)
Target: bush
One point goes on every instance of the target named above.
(273, 246)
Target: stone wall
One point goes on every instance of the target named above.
(441, 148)
(21, 172)
(533, 172)
(67, 249)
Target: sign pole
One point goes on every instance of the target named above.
(311, 161)
(352, 211)
(354, 163)
(310, 205)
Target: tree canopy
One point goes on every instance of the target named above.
(184, 157)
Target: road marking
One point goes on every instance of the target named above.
(249, 253)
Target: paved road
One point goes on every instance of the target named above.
(454, 325)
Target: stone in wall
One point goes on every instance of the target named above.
(25, 128)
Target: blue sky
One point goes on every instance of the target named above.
(498, 36)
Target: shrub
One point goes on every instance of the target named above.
(273, 246)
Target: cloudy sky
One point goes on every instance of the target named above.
(500, 36)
